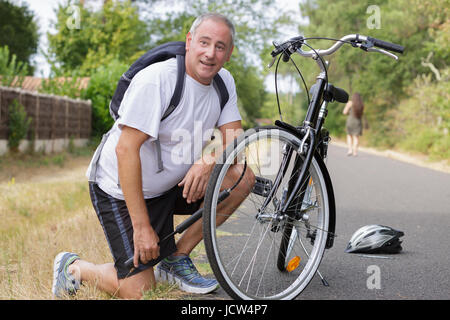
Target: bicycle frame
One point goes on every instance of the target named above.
(312, 126)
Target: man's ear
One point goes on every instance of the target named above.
(230, 53)
(188, 40)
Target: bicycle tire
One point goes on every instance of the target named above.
(234, 269)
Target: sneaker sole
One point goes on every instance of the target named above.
(56, 264)
(163, 276)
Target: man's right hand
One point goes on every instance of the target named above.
(146, 246)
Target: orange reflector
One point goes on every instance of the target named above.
(293, 264)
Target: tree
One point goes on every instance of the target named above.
(115, 32)
(18, 31)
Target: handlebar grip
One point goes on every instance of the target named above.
(386, 45)
(334, 93)
(340, 95)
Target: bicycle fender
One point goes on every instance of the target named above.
(331, 202)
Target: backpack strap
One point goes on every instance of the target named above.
(221, 89)
(176, 97)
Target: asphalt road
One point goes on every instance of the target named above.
(371, 189)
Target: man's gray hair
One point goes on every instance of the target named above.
(216, 17)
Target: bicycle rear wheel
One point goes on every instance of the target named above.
(248, 249)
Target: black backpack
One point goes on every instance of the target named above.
(161, 53)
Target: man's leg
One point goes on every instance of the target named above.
(117, 279)
(104, 276)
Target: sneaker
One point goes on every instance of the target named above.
(64, 283)
(181, 270)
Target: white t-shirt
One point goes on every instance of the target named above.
(182, 135)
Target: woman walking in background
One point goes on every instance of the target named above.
(354, 109)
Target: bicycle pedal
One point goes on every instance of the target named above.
(262, 186)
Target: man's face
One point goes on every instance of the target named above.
(207, 50)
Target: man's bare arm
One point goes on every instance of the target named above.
(130, 176)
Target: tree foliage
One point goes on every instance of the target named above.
(423, 119)
(115, 32)
(12, 72)
(18, 31)
(421, 26)
(100, 91)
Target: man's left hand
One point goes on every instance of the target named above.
(196, 179)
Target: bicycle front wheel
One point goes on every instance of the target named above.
(257, 252)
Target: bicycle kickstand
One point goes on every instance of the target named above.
(324, 282)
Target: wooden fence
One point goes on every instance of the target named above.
(55, 120)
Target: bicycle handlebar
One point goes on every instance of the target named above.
(357, 40)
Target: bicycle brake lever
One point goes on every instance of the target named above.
(272, 62)
(387, 53)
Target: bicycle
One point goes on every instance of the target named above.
(271, 246)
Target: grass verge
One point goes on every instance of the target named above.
(45, 209)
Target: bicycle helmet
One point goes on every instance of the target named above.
(375, 239)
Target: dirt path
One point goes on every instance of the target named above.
(73, 169)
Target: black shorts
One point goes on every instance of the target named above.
(116, 223)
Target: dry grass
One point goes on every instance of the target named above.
(40, 219)
(43, 212)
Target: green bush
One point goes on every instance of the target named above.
(423, 120)
(100, 90)
(18, 125)
(11, 70)
(441, 148)
(67, 86)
